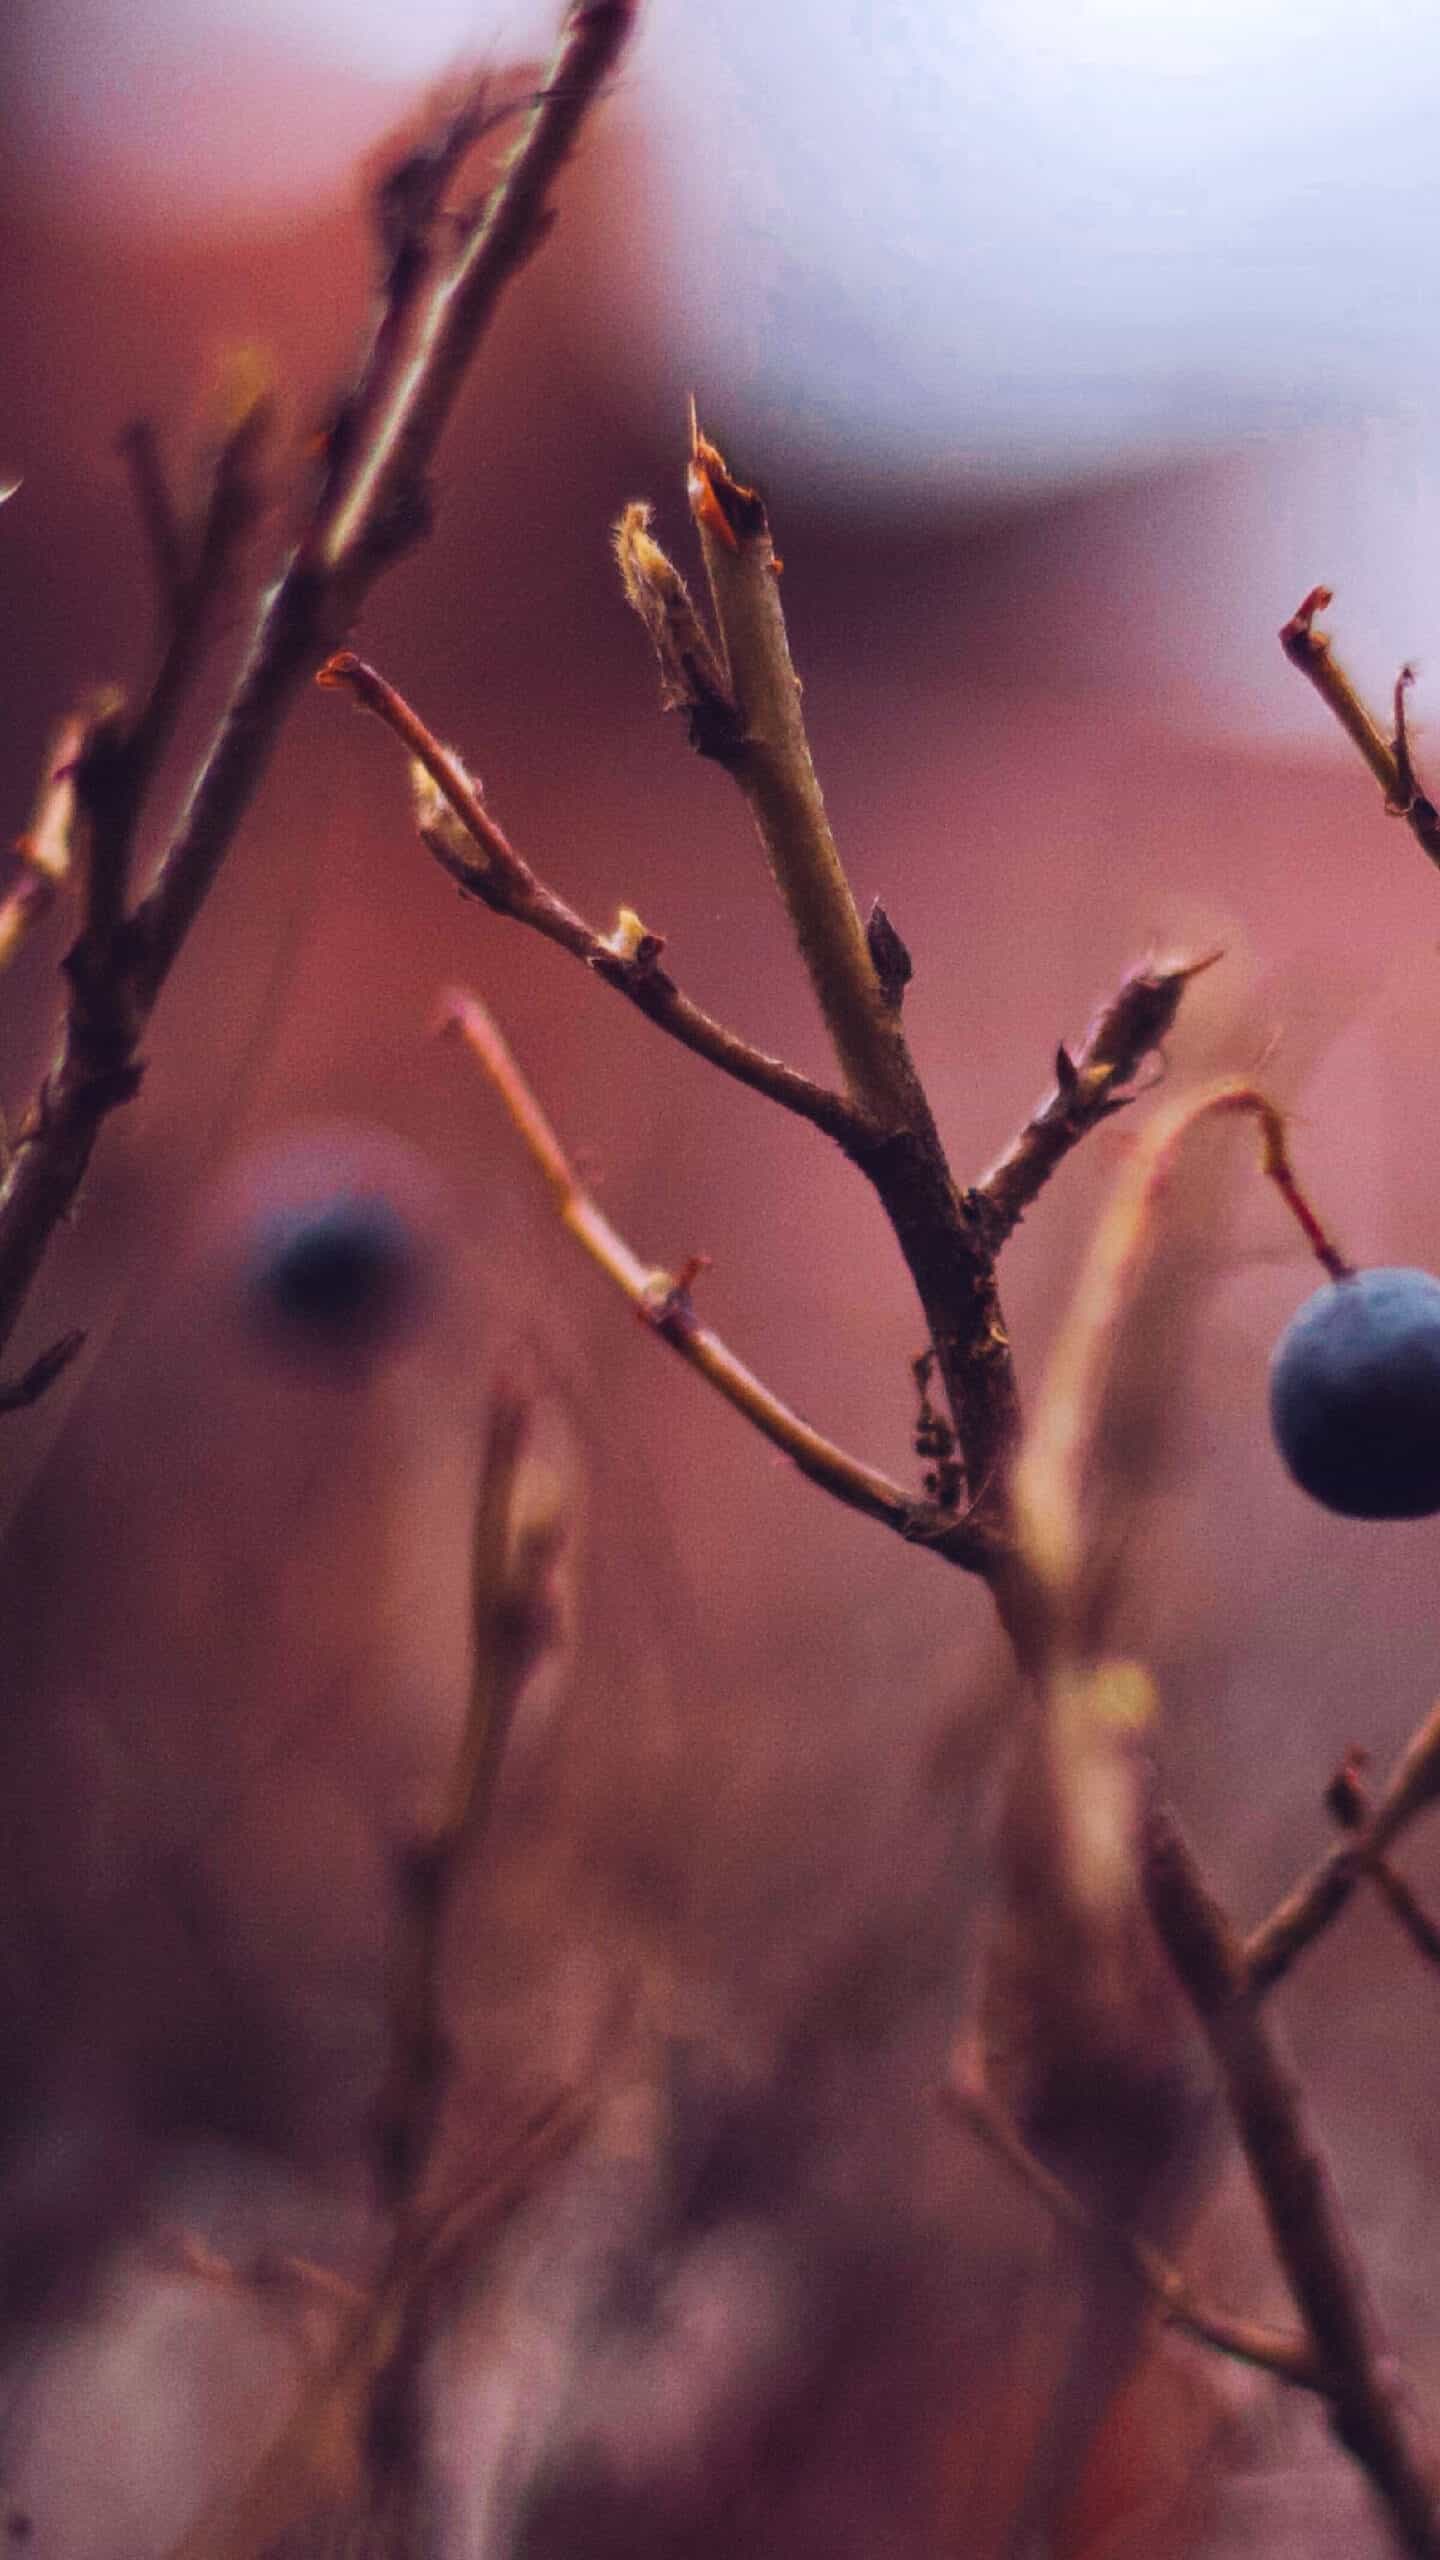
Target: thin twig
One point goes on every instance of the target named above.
(1347, 1801)
(319, 2459)
(509, 1628)
(1289, 2359)
(1387, 758)
(386, 484)
(478, 854)
(1088, 1087)
(1368, 2411)
(354, 2433)
(1406, 1907)
(365, 516)
(1312, 1904)
(662, 1300)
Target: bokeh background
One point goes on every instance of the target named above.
(1071, 348)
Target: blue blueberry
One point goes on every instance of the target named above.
(1355, 1395)
(339, 1274)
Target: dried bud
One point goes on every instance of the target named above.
(692, 678)
(892, 962)
(446, 834)
(631, 942)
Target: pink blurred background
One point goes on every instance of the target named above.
(1068, 366)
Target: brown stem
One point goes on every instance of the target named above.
(1248, 2341)
(1313, 1903)
(1088, 1088)
(1368, 2411)
(1387, 758)
(365, 516)
(386, 483)
(508, 1630)
(627, 959)
(662, 1300)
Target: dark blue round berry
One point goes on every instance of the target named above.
(341, 1271)
(1355, 1395)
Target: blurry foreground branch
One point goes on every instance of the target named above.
(442, 283)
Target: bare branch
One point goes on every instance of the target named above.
(662, 1300)
(384, 492)
(1088, 1087)
(322, 2455)
(1387, 758)
(369, 508)
(1312, 1904)
(1368, 2412)
(1288, 2359)
(478, 854)
(510, 1628)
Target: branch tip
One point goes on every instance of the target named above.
(721, 505)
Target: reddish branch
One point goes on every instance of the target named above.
(477, 853)
(371, 507)
(662, 1300)
(1089, 1087)
(1247, 2341)
(1368, 2408)
(1387, 758)
(1314, 1903)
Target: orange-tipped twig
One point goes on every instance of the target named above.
(662, 1300)
(460, 831)
(1387, 758)
(1089, 1087)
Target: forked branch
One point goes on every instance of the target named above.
(1368, 2408)
(459, 829)
(1312, 1904)
(662, 1301)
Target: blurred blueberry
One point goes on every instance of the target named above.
(1355, 1395)
(332, 1241)
(341, 1269)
